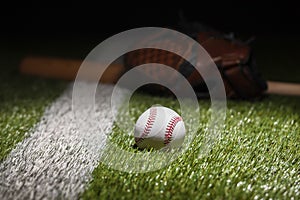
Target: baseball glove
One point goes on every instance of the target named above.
(233, 57)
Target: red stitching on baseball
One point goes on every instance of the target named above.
(149, 125)
(170, 128)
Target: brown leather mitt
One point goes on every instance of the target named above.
(234, 59)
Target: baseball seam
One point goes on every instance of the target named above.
(148, 126)
(170, 129)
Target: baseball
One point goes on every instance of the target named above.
(159, 127)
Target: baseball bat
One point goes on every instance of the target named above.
(67, 69)
(283, 88)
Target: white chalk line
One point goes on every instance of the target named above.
(56, 160)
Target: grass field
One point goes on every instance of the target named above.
(256, 157)
(22, 103)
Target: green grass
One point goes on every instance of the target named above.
(257, 156)
(22, 103)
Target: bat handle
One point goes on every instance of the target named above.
(283, 88)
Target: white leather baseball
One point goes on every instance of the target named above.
(159, 127)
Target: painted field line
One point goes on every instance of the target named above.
(56, 161)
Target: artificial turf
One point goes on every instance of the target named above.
(23, 100)
(256, 157)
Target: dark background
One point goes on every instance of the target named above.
(85, 19)
(74, 29)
